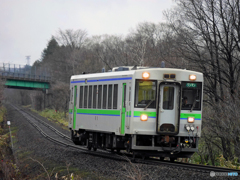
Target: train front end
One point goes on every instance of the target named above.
(168, 105)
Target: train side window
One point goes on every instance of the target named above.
(81, 97)
(124, 100)
(115, 96)
(75, 96)
(99, 96)
(110, 96)
(90, 97)
(129, 94)
(94, 96)
(71, 95)
(104, 96)
(85, 96)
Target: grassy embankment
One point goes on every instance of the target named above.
(8, 169)
(57, 117)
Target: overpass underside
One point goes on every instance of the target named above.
(25, 84)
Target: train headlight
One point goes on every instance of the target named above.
(145, 75)
(192, 77)
(187, 127)
(144, 117)
(192, 128)
(190, 119)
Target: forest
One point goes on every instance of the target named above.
(199, 35)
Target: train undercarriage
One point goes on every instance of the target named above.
(144, 145)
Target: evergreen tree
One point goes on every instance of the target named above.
(51, 47)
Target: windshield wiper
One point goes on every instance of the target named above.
(149, 104)
(194, 103)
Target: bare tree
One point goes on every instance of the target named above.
(74, 40)
(206, 35)
(2, 82)
(71, 38)
(60, 97)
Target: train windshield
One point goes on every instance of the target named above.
(145, 94)
(191, 95)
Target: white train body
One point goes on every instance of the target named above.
(160, 114)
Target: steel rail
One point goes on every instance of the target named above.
(204, 168)
(49, 126)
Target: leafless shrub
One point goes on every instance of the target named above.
(133, 170)
(45, 170)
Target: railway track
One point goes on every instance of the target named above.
(55, 136)
(62, 140)
(191, 166)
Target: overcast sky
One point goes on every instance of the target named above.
(27, 25)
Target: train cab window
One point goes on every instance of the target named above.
(99, 97)
(115, 96)
(94, 96)
(110, 96)
(104, 96)
(191, 95)
(85, 96)
(145, 94)
(81, 97)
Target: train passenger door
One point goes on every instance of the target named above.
(74, 107)
(128, 105)
(123, 113)
(168, 108)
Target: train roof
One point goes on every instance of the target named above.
(131, 73)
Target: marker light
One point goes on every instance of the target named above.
(145, 75)
(144, 117)
(192, 77)
(190, 119)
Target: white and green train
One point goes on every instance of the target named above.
(150, 111)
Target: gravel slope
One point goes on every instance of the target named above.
(30, 145)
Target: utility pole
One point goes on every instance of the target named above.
(27, 68)
(28, 60)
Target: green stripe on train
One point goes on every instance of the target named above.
(113, 112)
(185, 115)
(139, 113)
(99, 111)
(70, 110)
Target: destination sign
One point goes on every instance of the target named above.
(193, 85)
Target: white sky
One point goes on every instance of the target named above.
(27, 25)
